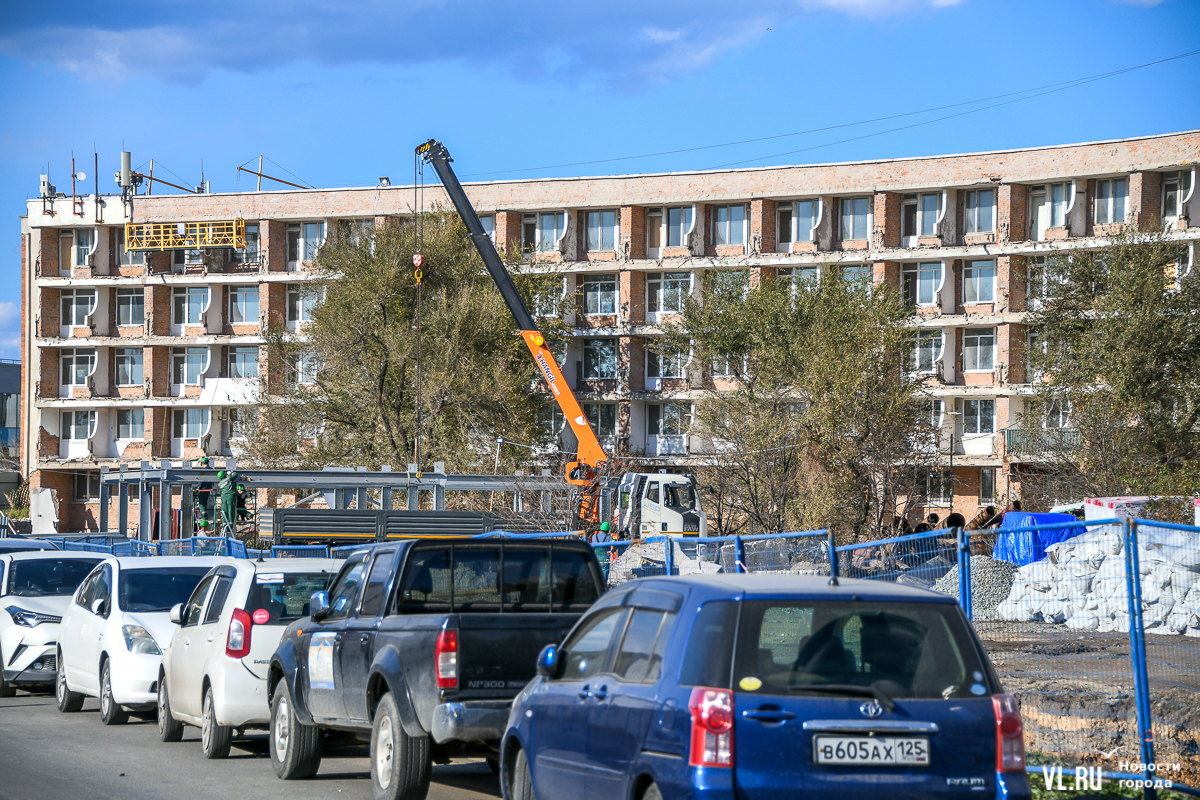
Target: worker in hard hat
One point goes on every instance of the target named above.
(602, 535)
(203, 499)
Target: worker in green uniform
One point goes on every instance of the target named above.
(227, 486)
(243, 513)
(203, 500)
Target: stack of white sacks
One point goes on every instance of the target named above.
(1081, 583)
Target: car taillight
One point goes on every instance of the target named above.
(712, 727)
(447, 659)
(237, 643)
(1010, 734)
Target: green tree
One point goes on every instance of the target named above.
(1117, 345)
(348, 390)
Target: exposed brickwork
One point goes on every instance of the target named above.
(1012, 206)
(886, 219)
(633, 232)
(48, 314)
(158, 310)
(272, 243)
(887, 272)
(156, 365)
(48, 378)
(1145, 200)
(762, 226)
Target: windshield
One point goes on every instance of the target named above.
(284, 595)
(906, 650)
(157, 589)
(48, 577)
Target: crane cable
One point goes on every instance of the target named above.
(418, 262)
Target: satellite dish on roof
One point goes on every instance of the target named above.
(79, 176)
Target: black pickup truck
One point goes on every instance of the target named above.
(423, 644)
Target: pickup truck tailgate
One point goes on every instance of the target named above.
(497, 653)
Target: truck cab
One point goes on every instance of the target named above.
(649, 503)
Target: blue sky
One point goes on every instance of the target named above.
(339, 93)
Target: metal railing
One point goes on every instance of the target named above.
(1033, 441)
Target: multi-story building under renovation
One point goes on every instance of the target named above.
(133, 355)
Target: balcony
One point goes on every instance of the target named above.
(1023, 441)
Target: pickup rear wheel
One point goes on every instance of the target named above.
(169, 728)
(295, 747)
(522, 782)
(401, 765)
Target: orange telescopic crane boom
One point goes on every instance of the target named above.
(585, 471)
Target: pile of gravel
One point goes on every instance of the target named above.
(991, 581)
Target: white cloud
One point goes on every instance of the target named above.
(10, 346)
(10, 312)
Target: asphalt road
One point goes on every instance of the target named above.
(47, 755)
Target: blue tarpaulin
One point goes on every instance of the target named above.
(1025, 547)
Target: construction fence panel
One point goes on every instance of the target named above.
(307, 551)
(1168, 561)
(915, 559)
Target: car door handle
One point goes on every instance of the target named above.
(585, 694)
(768, 715)
(210, 638)
(366, 637)
(601, 693)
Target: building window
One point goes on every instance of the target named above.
(131, 307)
(727, 366)
(783, 226)
(300, 303)
(303, 242)
(919, 214)
(858, 276)
(129, 258)
(664, 365)
(679, 225)
(1058, 414)
(189, 423)
(602, 417)
(551, 420)
(549, 231)
(980, 211)
(131, 423)
(249, 254)
(807, 213)
(922, 283)
(856, 218)
(979, 282)
(666, 292)
(1047, 208)
(488, 223)
(188, 364)
(601, 230)
(129, 366)
(797, 278)
(87, 486)
(186, 257)
(84, 243)
(77, 305)
(77, 366)
(600, 294)
(668, 419)
(928, 347)
(243, 362)
(599, 359)
(304, 368)
(190, 304)
(987, 483)
(729, 225)
(979, 349)
(929, 414)
(239, 423)
(936, 486)
(1176, 186)
(78, 425)
(1110, 201)
(979, 416)
(243, 305)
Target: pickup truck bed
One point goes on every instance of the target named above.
(424, 644)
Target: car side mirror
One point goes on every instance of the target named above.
(549, 661)
(177, 613)
(100, 607)
(318, 605)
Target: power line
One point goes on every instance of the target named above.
(288, 171)
(1031, 93)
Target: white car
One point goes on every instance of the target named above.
(35, 588)
(214, 671)
(110, 637)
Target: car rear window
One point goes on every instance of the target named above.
(706, 662)
(48, 577)
(284, 595)
(906, 650)
(157, 589)
(477, 578)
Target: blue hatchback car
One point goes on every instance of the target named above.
(765, 687)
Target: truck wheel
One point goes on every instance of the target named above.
(169, 728)
(111, 712)
(295, 747)
(66, 700)
(215, 739)
(522, 782)
(400, 764)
